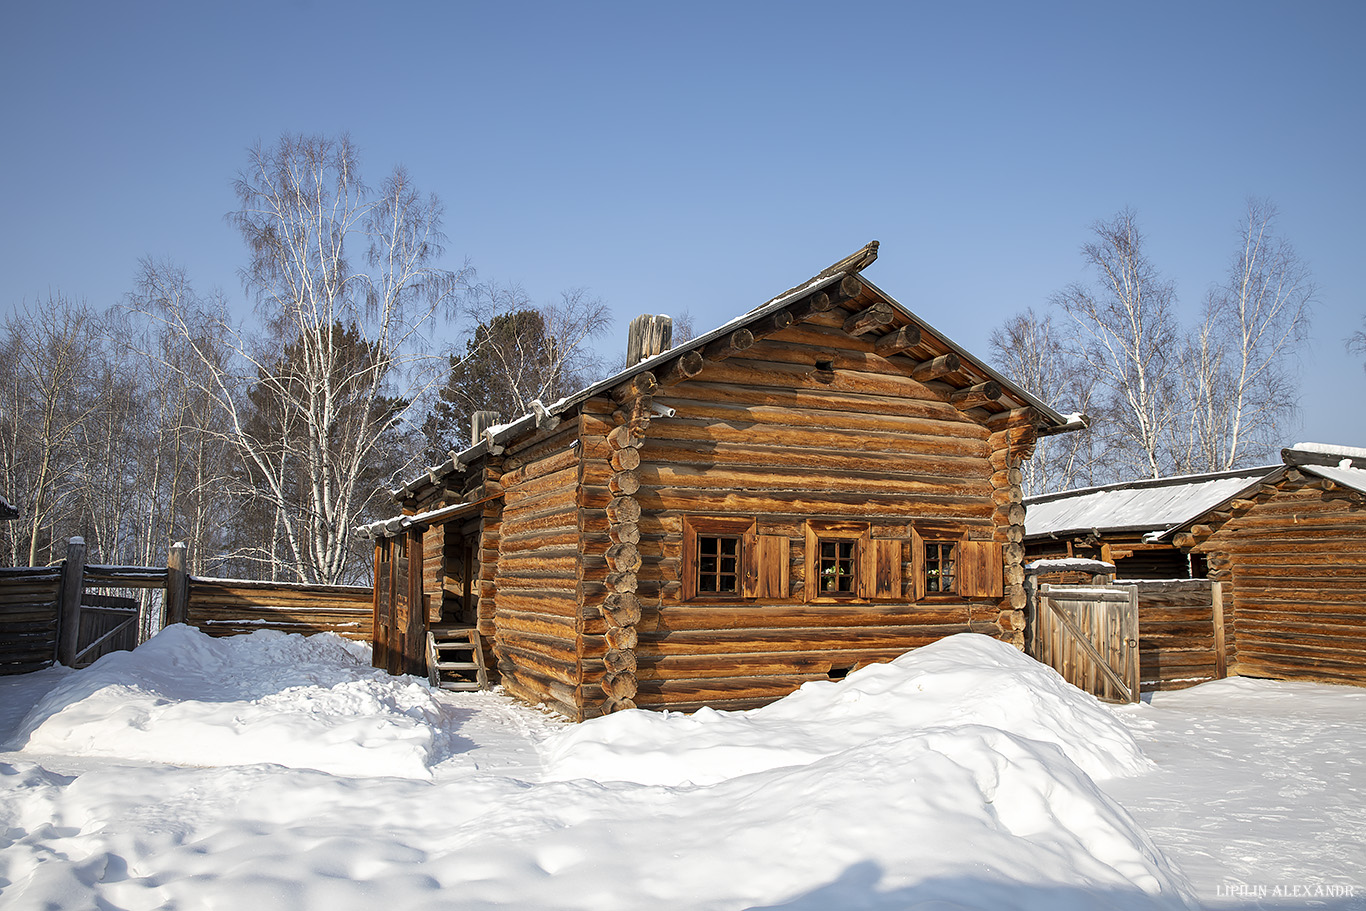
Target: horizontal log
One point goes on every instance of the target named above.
(695, 616)
(832, 504)
(623, 438)
(869, 318)
(724, 642)
(813, 453)
(621, 609)
(813, 479)
(623, 510)
(897, 341)
(685, 367)
(937, 367)
(619, 661)
(833, 413)
(622, 582)
(797, 386)
(643, 383)
(623, 533)
(620, 686)
(729, 345)
(625, 459)
(976, 396)
(621, 637)
(623, 557)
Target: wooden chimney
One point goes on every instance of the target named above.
(648, 335)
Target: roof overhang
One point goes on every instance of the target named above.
(1047, 420)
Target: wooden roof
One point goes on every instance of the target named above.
(840, 282)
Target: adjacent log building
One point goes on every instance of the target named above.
(1124, 524)
(1290, 549)
(824, 482)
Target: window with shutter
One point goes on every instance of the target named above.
(724, 558)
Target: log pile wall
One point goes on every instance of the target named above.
(223, 607)
(1294, 558)
(28, 618)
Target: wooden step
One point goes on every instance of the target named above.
(460, 675)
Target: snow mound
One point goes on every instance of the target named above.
(964, 680)
(269, 697)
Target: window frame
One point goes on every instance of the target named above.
(695, 527)
(955, 577)
(819, 532)
(978, 570)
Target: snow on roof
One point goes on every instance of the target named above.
(1351, 452)
(7, 509)
(1342, 475)
(1135, 506)
(1069, 564)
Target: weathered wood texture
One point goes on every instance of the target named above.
(109, 623)
(531, 557)
(1090, 635)
(807, 424)
(222, 607)
(1295, 564)
(28, 618)
(1178, 644)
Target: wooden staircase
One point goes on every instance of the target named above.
(455, 659)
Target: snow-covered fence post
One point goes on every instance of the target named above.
(69, 602)
(177, 603)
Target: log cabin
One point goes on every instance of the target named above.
(1290, 550)
(1124, 524)
(824, 482)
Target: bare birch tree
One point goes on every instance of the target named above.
(1030, 350)
(47, 351)
(1124, 330)
(325, 251)
(1239, 368)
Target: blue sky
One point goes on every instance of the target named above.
(704, 157)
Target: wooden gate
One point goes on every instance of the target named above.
(1090, 636)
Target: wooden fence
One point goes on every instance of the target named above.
(1180, 631)
(48, 614)
(28, 618)
(226, 607)
(1089, 634)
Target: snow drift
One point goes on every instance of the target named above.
(191, 699)
(958, 776)
(964, 680)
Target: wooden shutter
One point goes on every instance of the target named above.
(981, 571)
(917, 566)
(749, 565)
(883, 569)
(688, 570)
(769, 556)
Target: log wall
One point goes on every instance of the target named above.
(28, 618)
(1295, 567)
(223, 607)
(530, 560)
(1179, 633)
(807, 424)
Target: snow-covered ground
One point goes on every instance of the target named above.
(272, 771)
